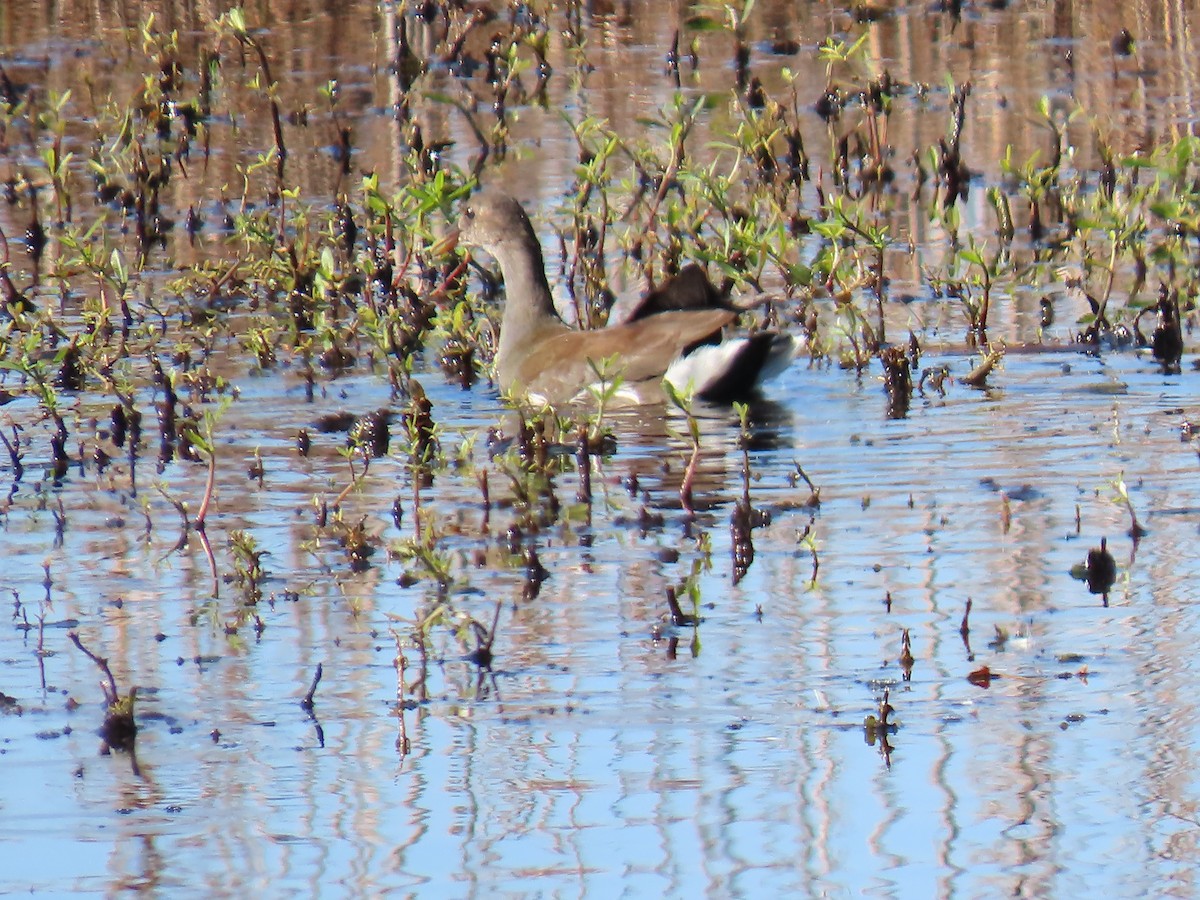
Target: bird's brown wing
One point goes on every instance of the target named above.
(558, 368)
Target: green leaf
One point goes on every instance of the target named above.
(799, 274)
(1166, 209)
(237, 21)
(673, 395)
(832, 229)
(117, 262)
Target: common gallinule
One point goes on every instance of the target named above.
(541, 358)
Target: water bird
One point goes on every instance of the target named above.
(675, 334)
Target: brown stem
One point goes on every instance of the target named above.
(212, 562)
(276, 123)
(307, 702)
(337, 501)
(202, 515)
(685, 489)
(108, 684)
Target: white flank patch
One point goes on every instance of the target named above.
(701, 368)
(785, 350)
(705, 366)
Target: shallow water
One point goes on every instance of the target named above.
(606, 751)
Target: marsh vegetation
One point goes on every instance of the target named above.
(272, 532)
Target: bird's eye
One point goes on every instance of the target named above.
(468, 213)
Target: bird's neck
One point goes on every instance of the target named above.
(528, 307)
